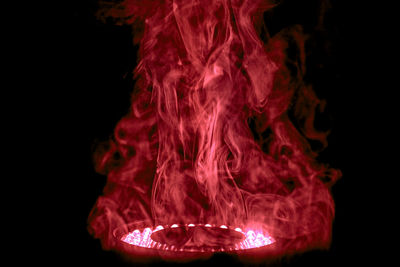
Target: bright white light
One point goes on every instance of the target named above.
(142, 238)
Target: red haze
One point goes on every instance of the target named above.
(185, 154)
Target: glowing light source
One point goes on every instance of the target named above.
(142, 238)
(158, 228)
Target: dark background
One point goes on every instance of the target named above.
(96, 82)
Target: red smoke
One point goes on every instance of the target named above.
(209, 139)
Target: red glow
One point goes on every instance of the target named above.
(217, 134)
(143, 238)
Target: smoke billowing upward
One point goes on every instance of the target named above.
(219, 126)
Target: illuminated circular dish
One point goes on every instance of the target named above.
(197, 238)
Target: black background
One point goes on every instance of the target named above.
(95, 82)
